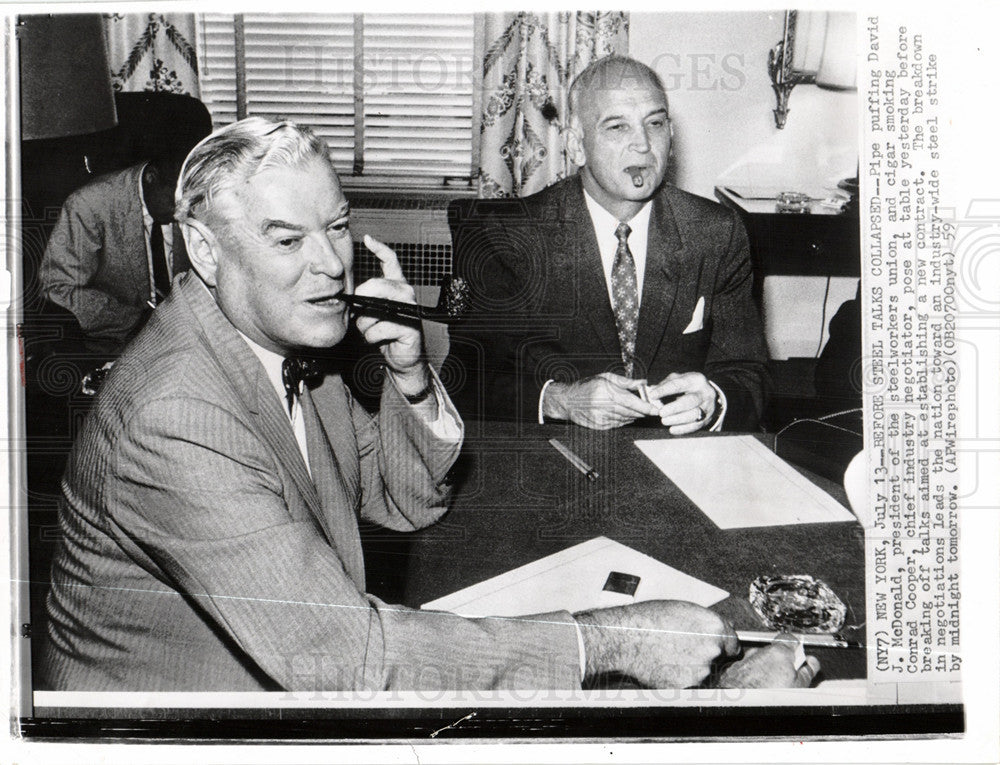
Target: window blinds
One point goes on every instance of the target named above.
(391, 94)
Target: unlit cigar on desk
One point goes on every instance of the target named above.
(807, 640)
(579, 464)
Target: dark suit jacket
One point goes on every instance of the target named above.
(197, 553)
(542, 311)
(95, 264)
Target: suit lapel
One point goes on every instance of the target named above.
(249, 380)
(592, 289)
(334, 413)
(664, 255)
(277, 430)
(339, 513)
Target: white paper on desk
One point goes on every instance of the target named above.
(739, 483)
(573, 579)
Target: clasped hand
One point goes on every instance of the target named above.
(609, 401)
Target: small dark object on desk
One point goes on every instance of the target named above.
(623, 583)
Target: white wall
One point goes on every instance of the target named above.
(714, 66)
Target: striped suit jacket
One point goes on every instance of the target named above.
(197, 554)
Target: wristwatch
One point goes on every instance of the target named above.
(423, 394)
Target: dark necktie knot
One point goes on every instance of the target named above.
(622, 232)
(299, 369)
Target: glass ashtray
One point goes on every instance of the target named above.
(792, 202)
(797, 603)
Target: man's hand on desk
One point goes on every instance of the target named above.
(694, 405)
(601, 402)
(659, 643)
(771, 666)
(673, 644)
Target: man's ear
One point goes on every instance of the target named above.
(573, 141)
(202, 249)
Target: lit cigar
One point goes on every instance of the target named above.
(636, 172)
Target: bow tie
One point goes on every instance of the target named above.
(295, 370)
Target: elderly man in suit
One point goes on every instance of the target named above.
(610, 280)
(115, 248)
(210, 507)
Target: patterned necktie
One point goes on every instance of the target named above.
(161, 275)
(626, 297)
(295, 370)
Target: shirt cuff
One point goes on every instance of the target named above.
(721, 405)
(541, 410)
(446, 426)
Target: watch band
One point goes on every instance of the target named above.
(423, 394)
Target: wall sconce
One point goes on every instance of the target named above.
(815, 48)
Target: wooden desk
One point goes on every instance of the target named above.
(519, 500)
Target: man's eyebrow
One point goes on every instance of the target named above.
(613, 117)
(343, 211)
(271, 224)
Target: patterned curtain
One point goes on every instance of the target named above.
(152, 51)
(530, 61)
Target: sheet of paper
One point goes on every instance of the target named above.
(573, 579)
(739, 483)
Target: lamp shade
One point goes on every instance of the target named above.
(838, 69)
(65, 77)
(810, 33)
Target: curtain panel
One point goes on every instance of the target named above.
(530, 61)
(152, 52)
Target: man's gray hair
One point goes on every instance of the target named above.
(234, 153)
(610, 73)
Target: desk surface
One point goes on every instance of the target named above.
(517, 500)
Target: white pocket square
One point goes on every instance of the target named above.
(697, 318)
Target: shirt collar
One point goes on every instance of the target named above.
(605, 221)
(147, 218)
